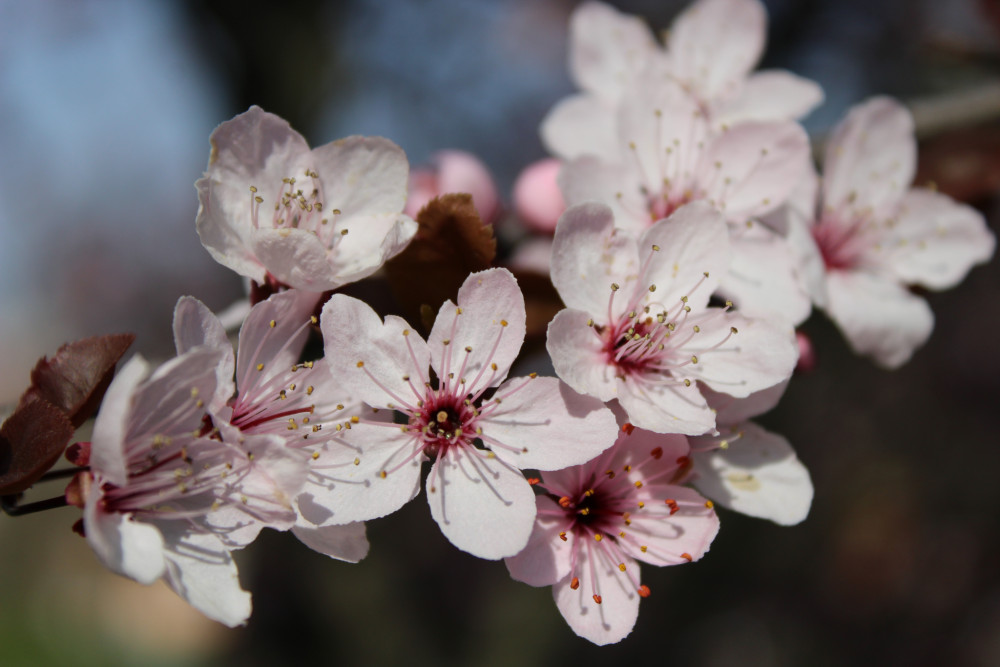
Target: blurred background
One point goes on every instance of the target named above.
(105, 111)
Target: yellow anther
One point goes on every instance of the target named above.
(621, 566)
(260, 367)
(598, 537)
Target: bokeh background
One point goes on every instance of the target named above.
(105, 111)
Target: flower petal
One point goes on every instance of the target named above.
(939, 240)
(578, 356)
(662, 408)
(201, 570)
(296, 257)
(372, 240)
(546, 558)
(347, 543)
(547, 424)
(486, 329)
(580, 125)
(879, 318)
(370, 358)
(611, 620)
(730, 411)
(362, 176)
(680, 536)
(482, 505)
(194, 326)
(107, 454)
(770, 95)
(130, 548)
(606, 47)
(758, 475)
(871, 157)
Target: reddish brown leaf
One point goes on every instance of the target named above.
(76, 377)
(451, 242)
(31, 441)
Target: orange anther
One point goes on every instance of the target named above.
(686, 556)
(534, 480)
(565, 502)
(562, 536)
(672, 504)
(684, 461)
(597, 599)
(644, 591)
(657, 453)
(627, 428)
(575, 584)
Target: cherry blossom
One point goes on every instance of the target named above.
(747, 468)
(864, 235)
(275, 394)
(480, 439)
(667, 155)
(275, 211)
(712, 48)
(168, 495)
(596, 520)
(638, 326)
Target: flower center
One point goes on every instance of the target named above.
(444, 421)
(299, 205)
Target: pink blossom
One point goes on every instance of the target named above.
(298, 403)
(747, 468)
(454, 171)
(597, 519)
(169, 495)
(537, 198)
(667, 155)
(638, 326)
(273, 210)
(480, 439)
(864, 236)
(713, 47)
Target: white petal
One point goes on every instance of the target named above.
(714, 44)
(578, 355)
(547, 558)
(548, 425)
(489, 330)
(107, 454)
(482, 505)
(611, 620)
(757, 475)
(764, 277)
(195, 325)
(277, 347)
(362, 176)
(588, 255)
(580, 125)
(606, 48)
(666, 409)
(369, 358)
(871, 157)
(939, 240)
(347, 543)
(201, 570)
(371, 241)
(770, 95)
(730, 411)
(295, 257)
(130, 548)
(879, 318)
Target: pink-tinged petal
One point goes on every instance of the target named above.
(808, 259)
(371, 241)
(714, 44)
(195, 326)
(589, 179)
(482, 505)
(174, 389)
(545, 425)
(256, 149)
(800, 208)
(588, 255)
(347, 543)
(759, 354)
(532, 255)
(423, 187)
(764, 278)
(459, 171)
(691, 243)
(371, 359)
(606, 48)
(879, 318)
(578, 355)
(871, 157)
(107, 453)
(547, 558)
(611, 620)
(480, 338)
(537, 197)
(753, 168)
(730, 410)
(130, 548)
(296, 257)
(346, 483)
(939, 240)
(770, 95)
(580, 125)
(666, 409)
(676, 538)
(362, 176)
(278, 345)
(757, 475)
(201, 570)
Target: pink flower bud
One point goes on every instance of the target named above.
(537, 198)
(453, 171)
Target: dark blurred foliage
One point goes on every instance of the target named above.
(897, 563)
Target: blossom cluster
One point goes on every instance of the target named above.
(689, 235)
